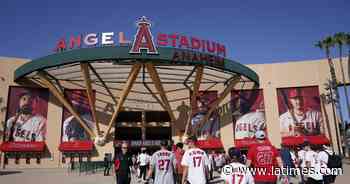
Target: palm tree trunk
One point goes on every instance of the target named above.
(334, 81)
(349, 62)
(337, 125)
(344, 81)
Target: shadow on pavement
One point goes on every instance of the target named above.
(346, 161)
(9, 172)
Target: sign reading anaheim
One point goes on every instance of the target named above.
(143, 40)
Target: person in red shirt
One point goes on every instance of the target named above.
(179, 153)
(265, 157)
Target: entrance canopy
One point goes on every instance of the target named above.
(116, 80)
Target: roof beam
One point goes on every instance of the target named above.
(128, 85)
(149, 89)
(44, 79)
(158, 84)
(188, 77)
(215, 104)
(196, 87)
(59, 85)
(103, 83)
(86, 74)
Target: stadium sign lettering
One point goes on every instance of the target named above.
(185, 55)
(137, 143)
(143, 41)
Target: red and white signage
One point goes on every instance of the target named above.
(143, 40)
(23, 146)
(138, 143)
(76, 146)
(214, 143)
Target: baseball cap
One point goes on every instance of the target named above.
(260, 134)
(234, 152)
(23, 93)
(293, 93)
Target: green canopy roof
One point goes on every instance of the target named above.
(120, 54)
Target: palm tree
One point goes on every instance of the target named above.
(347, 41)
(340, 40)
(326, 45)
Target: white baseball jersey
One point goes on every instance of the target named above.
(241, 175)
(248, 124)
(315, 163)
(311, 120)
(72, 130)
(322, 156)
(197, 162)
(301, 157)
(143, 159)
(27, 128)
(163, 162)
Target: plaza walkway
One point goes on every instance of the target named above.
(61, 176)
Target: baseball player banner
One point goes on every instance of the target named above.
(211, 129)
(26, 114)
(248, 115)
(300, 112)
(71, 128)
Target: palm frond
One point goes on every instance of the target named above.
(329, 42)
(347, 38)
(340, 38)
(319, 44)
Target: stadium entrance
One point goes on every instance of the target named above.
(142, 129)
(143, 90)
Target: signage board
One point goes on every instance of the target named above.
(143, 41)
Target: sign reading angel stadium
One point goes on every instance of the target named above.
(163, 71)
(143, 40)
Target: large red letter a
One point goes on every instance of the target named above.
(143, 39)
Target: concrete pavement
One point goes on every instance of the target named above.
(61, 176)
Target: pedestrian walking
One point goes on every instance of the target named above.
(143, 161)
(195, 164)
(178, 156)
(123, 163)
(263, 155)
(163, 163)
(240, 174)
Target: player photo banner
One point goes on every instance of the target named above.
(211, 129)
(300, 114)
(71, 129)
(248, 115)
(26, 114)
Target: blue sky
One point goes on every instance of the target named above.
(253, 31)
(343, 104)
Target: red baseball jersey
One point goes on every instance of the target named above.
(263, 157)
